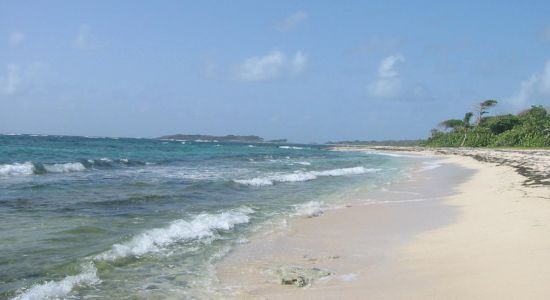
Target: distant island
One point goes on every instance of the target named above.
(225, 138)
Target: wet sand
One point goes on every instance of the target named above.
(466, 230)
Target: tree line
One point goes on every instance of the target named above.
(528, 128)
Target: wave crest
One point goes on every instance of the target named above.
(201, 226)
(64, 168)
(303, 176)
(60, 289)
(26, 168)
(32, 168)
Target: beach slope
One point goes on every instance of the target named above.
(490, 239)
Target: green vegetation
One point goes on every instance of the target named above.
(530, 128)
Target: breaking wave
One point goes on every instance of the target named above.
(62, 168)
(291, 147)
(155, 240)
(32, 168)
(60, 289)
(309, 209)
(303, 176)
(17, 169)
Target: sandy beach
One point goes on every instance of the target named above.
(478, 227)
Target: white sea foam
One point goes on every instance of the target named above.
(63, 168)
(26, 168)
(255, 181)
(60, 289)
(291, 147)
(303, 176)
(430, 166)
(201, 226)
(309, 209)
(390, 154)
(346, 171)
(348, 277)
(374, 202)
(303, 163)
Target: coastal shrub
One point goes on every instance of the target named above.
(536, 112)
(479, 137)
(444, 139)
(529, 128)
(509, 138)
(500, 124)
(527, 135)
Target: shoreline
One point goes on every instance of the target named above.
(493, 211)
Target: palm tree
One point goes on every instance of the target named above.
(482, 109)
(466, 125)
(451, 124)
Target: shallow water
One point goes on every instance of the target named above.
(139, 218)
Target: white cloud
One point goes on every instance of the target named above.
(16, 38)
(388, 82)
(292, 21)
(272, 65)
(537, 85)
(10, 82)
(85, 39)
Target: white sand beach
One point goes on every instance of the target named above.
(484, 234)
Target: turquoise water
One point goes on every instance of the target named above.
(148, 219)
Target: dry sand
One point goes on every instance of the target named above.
(489, 240)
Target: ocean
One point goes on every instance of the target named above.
(92, 217)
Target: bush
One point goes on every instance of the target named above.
(479, 137)
(530, 128)
(500, 124)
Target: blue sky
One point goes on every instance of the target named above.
(310, 71)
